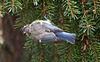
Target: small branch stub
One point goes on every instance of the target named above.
(87, 26)
(84, 47)
(12, 3)
(94, 7)
(87, 41)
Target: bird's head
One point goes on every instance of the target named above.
(25, 29)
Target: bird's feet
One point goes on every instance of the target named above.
(55, 40)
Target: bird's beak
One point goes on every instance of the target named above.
(24, 32)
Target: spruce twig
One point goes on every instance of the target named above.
(12, 3)
(94, 51)
(94, 7)
(59, 6)
(70, 8)
(41, 58)
(70, 53)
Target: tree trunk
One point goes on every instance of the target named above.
(1, 40)
(13, 40)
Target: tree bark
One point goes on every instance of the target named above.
(13, 39)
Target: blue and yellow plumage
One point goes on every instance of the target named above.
(43, 31)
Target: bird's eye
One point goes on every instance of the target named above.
(32, 24)
(29, 34)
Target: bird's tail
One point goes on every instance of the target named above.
(70, 37)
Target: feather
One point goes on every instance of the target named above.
(70, 37)
(51, 27)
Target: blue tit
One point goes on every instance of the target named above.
(44, 32)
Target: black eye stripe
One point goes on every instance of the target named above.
(32, 24)
(35, 23)
(38, 22)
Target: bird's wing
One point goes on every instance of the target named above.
(46, 26)
(51, 28)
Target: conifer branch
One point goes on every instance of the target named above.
(24, 17)
(2, 2)
(59, 6)
(85, 35)
(25, 14)
(65, 50)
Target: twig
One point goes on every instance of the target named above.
(94, 7)
(44, 9)
(31, 45)
(70, 8)
(60, 9)
(83, 7)
(83, 56)
(12, 3)
(94, 51)
(41, 58)
(70, 53)
(55, 53)
(65, 50)
(83, 52)
(61, 19)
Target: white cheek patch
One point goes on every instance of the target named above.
(40, 41)
(24, 32)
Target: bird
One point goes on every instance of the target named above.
(44, 32)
